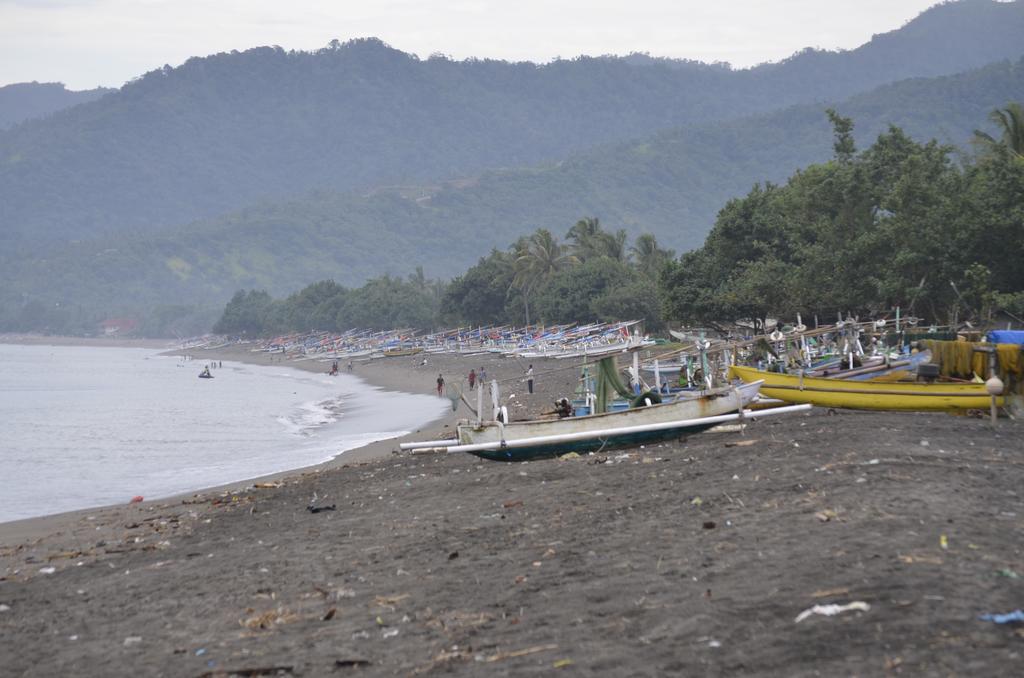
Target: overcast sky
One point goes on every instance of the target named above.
(86, 43)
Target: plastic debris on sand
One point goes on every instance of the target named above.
(832, 610)
(1008, 618)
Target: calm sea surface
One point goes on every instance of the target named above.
(84, 426)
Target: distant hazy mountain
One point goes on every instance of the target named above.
(30, 100)
(948, 38)
(670, 184)
(222, 132)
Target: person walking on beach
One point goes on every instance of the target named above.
(529, 379)
(483, 375)
(440, 385)
(472, 378)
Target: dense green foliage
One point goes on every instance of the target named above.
(568, 282)
(382, 303)
(899, 224)
(225, 131)
(29, 100)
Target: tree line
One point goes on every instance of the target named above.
(594, 275)
(899, 223)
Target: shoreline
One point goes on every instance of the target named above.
(397, 374)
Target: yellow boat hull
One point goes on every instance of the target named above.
(867, 395)
(398, 352)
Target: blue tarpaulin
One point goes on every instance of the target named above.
(1006, 336)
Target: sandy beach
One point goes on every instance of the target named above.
(693, 557)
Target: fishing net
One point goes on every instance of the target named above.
(608, 383)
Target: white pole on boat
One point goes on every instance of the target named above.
(636, 370)
(495, 400)
(657, 376)
(479, 404)
(427, 443)
(626, 430)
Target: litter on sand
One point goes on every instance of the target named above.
(832, 610)
(1008, 618)
(520, 653)
(319, 509)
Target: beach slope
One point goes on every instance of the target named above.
(694, 557)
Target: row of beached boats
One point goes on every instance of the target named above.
(916, 396)
(837, 372)
(536, 341)
(856, 365)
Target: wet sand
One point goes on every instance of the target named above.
(693, 557)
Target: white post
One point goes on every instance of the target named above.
(479, 404)
(495, 400)
(657, 376)
(636, 369)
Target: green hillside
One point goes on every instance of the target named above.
(225, 131)
(671, 185)
(30, 100)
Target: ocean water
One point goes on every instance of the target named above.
(85, 426)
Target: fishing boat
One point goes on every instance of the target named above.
(402, 351)
(867, 395)
(594, 432)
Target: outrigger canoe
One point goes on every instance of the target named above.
(537, 439)
(867, 395)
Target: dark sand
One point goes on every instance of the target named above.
(689, 558)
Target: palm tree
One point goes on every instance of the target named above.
(1010, 120)
(649, 258)
(586, 236)
(538, 259)
(613, 245)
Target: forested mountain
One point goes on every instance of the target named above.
(29, 100)
(671, 185)
(224, 131)
(900, 224)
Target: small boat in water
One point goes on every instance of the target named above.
(867, 395)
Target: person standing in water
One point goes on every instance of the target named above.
(472, 378)
(529, 379)
(440, 385)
